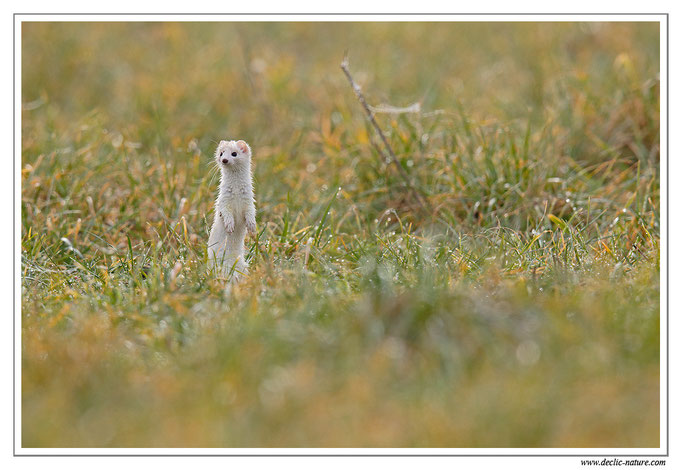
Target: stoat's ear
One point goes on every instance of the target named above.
(243, 146)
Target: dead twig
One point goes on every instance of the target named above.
(423, 202)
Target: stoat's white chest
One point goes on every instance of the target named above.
(236, 191)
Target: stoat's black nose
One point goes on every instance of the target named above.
(224, 160)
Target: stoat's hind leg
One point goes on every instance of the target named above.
(217, 260)
(237, 270)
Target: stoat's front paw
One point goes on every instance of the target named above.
(229, 222)
(251, 225)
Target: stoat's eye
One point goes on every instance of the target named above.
(221, 153)
(234, 154)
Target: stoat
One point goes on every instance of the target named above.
(235, 210)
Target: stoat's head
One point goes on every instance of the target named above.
(232, 154)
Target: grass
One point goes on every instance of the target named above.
(521, 311)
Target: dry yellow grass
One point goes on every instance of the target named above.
(523, 311)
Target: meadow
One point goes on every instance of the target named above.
(504, 294)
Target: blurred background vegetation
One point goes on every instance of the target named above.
(520, 308)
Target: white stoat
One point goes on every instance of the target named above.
(235, 210)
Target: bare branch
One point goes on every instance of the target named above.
(389, 109)
(361, 98)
